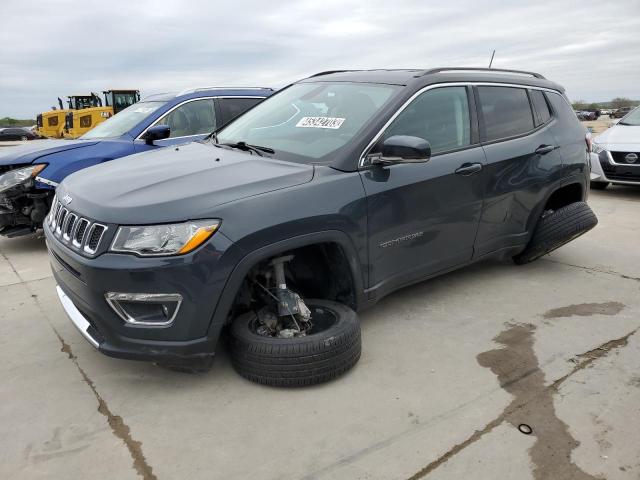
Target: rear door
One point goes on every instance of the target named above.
(523, 160)
(423, 217)
(229, 108)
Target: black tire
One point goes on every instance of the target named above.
(599, 185)
(557, 228)
(296, 362)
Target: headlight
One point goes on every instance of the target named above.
(597, 148)
(157, 240)
(19, 175)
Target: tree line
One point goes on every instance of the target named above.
(617, 102)
(13, 122)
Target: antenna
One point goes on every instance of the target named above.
(491, 61)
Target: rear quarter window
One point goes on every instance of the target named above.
(541, 107)
(506, 112)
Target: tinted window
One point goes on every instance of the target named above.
(233, 107)
(540, 104)
(506, 111)
(440, 116)
(191, 118)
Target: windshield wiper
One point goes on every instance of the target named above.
(624, 123)
(249, 148)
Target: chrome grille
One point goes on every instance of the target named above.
(78, 237)
(95, 235)
(73, 230)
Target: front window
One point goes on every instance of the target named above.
(196, 117)
(124, 121)
(632, 118)
(440, 116)
(309, 121)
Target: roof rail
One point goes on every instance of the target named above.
(479, 69)
(215, 87)
(329, 72)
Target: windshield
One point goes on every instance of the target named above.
(632, 118)
(308, 121)
(123, 122)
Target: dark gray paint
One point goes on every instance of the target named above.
(269, 206)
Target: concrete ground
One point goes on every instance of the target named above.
(451, 370)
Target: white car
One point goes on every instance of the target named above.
(616, 153)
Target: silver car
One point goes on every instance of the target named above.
(616, 153)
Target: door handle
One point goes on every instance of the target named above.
(544, 149)
(469, 168)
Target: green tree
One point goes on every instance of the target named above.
(579, 105)
(620, 102)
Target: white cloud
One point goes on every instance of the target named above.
(58, 48)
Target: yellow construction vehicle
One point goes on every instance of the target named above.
(79, 121)
(51, 123)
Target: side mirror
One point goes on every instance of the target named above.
(401, 149)
(157, 132)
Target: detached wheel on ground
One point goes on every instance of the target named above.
(328, 350)
(556, 228)
(599, 185)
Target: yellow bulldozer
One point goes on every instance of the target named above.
(51, 123)
(79, 121)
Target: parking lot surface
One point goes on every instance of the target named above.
(491, 372)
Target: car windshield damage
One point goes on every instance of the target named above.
(632, 119)
(307, 121)
(123, 122)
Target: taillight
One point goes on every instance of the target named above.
(589, 140)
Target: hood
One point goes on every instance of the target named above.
(29, 152)
(176, 184)
(620, 138)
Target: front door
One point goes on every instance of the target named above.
(423, 217)
(193, 120)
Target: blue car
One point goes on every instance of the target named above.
(30, 173)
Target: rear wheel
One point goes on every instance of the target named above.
(330, 348)
(557, 228)
(599, 185)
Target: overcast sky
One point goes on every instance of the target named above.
(51, 49)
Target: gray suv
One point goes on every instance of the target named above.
(310, 207)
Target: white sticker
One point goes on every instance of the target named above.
(320, 122)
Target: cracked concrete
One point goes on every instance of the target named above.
(119, 428)
(418, 403)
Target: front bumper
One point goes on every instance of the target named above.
(605, 170)
(198, 277)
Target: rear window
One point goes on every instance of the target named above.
(540, 104)
(234, 107)
(506, 111)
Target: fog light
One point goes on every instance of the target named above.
(149, 309)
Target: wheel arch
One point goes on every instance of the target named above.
(562, 193)
(251, 259)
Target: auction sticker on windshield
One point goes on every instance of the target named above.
(320, 122)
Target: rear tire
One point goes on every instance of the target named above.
(599, 185)
(556, 229)
(300, 361)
